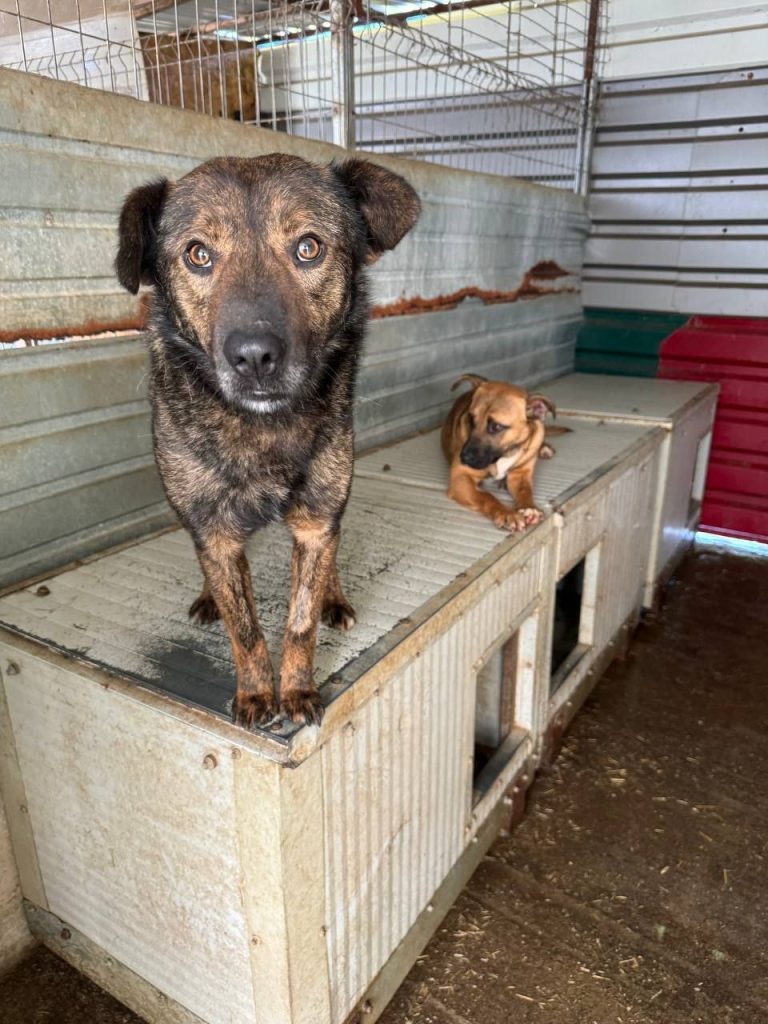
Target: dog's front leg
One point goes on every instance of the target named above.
(520, 486)
(228, 577)
(466, 491)
(313, 560)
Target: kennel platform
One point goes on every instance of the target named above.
(686, 412)
(205, 874)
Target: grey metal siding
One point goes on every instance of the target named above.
(75, 441)
(76, 453)
(679, 200)
(88, 149)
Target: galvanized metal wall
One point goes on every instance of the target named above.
(74, 434)
(679, 195)
(76, 451)
(88, 149)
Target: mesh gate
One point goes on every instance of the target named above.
(497, 87)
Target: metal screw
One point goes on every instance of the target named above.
(12, 669)
(209, 762)
(236, 753)
(65, 934)
(43, 591)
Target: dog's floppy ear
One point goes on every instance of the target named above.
(390, 207)
(538, 405)
(471, 378)
(139, 219)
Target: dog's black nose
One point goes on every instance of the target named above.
(254, 355)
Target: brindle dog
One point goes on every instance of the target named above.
(255, 328)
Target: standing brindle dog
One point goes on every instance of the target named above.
(256, 325)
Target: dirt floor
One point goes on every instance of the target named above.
(635, 891)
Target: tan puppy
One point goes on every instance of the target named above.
(496, 430)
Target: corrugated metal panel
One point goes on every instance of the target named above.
(90, 148)
(397, 782)
(74, 431)
(678, 195)
(734, 353)
(76, 451)
(75, 437)
(128, 609)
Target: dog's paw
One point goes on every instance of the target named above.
(204, 610)
(546, 451)
(516, 520)
(254, 709)
(304, 707)
(530, 516)
(339, 615)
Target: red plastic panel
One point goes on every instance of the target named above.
(734, 353)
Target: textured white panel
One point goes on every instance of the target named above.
(634, 399)
(136, 840)
(398, 783)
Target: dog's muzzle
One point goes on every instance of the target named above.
(478, 456)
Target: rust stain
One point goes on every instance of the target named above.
(90, 327)
(536, 281)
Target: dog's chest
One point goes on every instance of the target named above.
(500, 469)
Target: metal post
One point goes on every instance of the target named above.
(588, 103)
(343, 73)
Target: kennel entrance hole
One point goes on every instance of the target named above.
(573, 621)
(503, 703)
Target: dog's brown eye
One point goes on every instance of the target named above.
(308, 249)
(494, 427)
(197, 256)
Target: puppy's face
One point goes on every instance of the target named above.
(499, 419)
(256, 262)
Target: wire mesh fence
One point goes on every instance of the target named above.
(497, 87)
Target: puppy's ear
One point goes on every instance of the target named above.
(139, 220)
(389, 205)
(471, 378)
(538, 405)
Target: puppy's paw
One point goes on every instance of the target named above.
(254, 709)
(304, 707)
(519, 519)
(509, 519)
(546, 451)
(204, 610)
(530, 516)
(339, 615)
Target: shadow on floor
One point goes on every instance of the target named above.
(635, 889)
